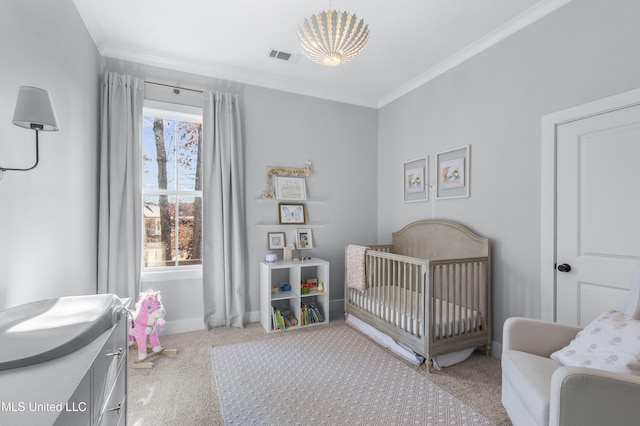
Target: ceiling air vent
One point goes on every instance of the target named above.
(285, 56)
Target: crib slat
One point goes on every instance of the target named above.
(398, 310)
(447, 290)
(405, 296)
(438, 310)
(475, 294)
(413, 302)
(464, 312)
(457, 309)
(402, 270)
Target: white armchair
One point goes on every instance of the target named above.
(538, 390)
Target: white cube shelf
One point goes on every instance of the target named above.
(297, 304)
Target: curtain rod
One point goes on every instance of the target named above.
(176, 89)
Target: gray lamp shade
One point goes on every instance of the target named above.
(34, 110)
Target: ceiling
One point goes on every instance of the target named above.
(410, 41)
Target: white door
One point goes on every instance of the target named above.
(597, 212)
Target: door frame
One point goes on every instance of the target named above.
(548, 178)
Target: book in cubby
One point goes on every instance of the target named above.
(281, 316)
(310, 314)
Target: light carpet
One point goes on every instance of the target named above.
(328, 375)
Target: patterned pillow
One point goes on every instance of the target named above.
(610, 342)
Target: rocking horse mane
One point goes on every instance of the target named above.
(145, 295)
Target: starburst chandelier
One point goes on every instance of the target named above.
(332, 37)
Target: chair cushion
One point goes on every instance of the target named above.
(610, 342)
(530, 376)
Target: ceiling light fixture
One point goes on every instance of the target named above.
(332, 37)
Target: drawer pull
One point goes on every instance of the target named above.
(118, 354)
(117, 409)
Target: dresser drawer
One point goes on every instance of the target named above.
(114, 410)
(109, 369)
(77, 411)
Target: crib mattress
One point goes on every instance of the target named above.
(404, 310)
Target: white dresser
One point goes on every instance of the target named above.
(87, 385)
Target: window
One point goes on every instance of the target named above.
(172, 188)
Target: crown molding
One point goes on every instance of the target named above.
(91, 23)
(236, 75)
(518, 23)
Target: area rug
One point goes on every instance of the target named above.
(328, 375)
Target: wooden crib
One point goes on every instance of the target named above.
(430, 290)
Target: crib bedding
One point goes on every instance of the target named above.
(404, 310)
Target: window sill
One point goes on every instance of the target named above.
(172, 274)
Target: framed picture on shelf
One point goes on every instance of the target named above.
(276, 240)
(304, 239)
(290, 188)
(453, 173)
(416, 174)
(290, 213)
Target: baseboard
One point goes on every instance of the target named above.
(253, 316)
(197, 323)
(336, 312)
(182, 326)
(496, 349)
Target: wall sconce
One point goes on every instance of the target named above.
(34, 110)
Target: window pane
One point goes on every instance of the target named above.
(190, 231)
(170, 149)
(158, 153)
(159, 225)
(189, 155)
(149, 158)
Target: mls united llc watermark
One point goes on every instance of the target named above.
(33, 407)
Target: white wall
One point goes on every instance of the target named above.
(48, 216)
(494, 102)
(284, 129)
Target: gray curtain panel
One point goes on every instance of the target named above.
(120, 199)
(224, 251)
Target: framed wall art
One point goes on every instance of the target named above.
(453, 176)
(415, 184)
(304, 239)
(291, 213)
(290, 188)
(276, 240)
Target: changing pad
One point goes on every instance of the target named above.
(41, 331)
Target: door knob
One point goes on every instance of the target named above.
(564, 267)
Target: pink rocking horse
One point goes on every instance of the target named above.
(148, 318)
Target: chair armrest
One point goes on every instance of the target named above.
(587, 396)
(536, 336)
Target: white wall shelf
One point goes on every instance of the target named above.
(273, 200)
(285, 225)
